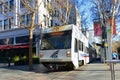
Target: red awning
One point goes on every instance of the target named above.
(4, 47)
(14, 46)
(20, 46)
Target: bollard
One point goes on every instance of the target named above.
(112, 62)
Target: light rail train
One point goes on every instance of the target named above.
(63, 46)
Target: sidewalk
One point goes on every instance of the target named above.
(36, 67)
(96, 71)
(22, 72)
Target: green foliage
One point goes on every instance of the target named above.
(24, 57)
(25, 61)
(34, 56)
(16, 58)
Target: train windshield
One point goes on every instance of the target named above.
(56, 40)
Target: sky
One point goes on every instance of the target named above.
(86, 8)
(85, 11)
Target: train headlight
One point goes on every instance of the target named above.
(41, 54)
(68, 54)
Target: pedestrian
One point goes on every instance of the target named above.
(9, 61)
(114, 55)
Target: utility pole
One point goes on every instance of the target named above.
(109, 40)
(110, 24)
(110, 30)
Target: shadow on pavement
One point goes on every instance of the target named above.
(36, 68)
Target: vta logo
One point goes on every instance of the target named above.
(55, 54)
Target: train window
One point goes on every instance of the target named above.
(75, 46)
(85, 49)
(80, 45)
(61, 40)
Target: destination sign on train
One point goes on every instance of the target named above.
(56, 33)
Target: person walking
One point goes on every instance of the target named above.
(114, 55)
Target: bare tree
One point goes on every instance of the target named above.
(60, 9)
(31, 8)
(105, 9)
(115, 45)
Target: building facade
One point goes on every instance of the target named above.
(65, 12)
(14, 14)
(14, 18)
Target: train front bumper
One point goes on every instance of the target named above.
(55, 60)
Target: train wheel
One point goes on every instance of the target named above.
(53, 67)
(81, 62)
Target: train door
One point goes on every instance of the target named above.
(80, 53)
(75, 53)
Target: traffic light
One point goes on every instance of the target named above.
(104, 34)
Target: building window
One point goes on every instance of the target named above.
(23, 20)
(12, 4)
(32, 3)
(22, 4)
(0, 25)
(26, 20)
(22, 39)
(6, 24)
(29, 16)
(6, 41)
(56, 14)
(1, 8)
(11, 22)
(6, 7)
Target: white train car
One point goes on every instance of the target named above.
(63, 46)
